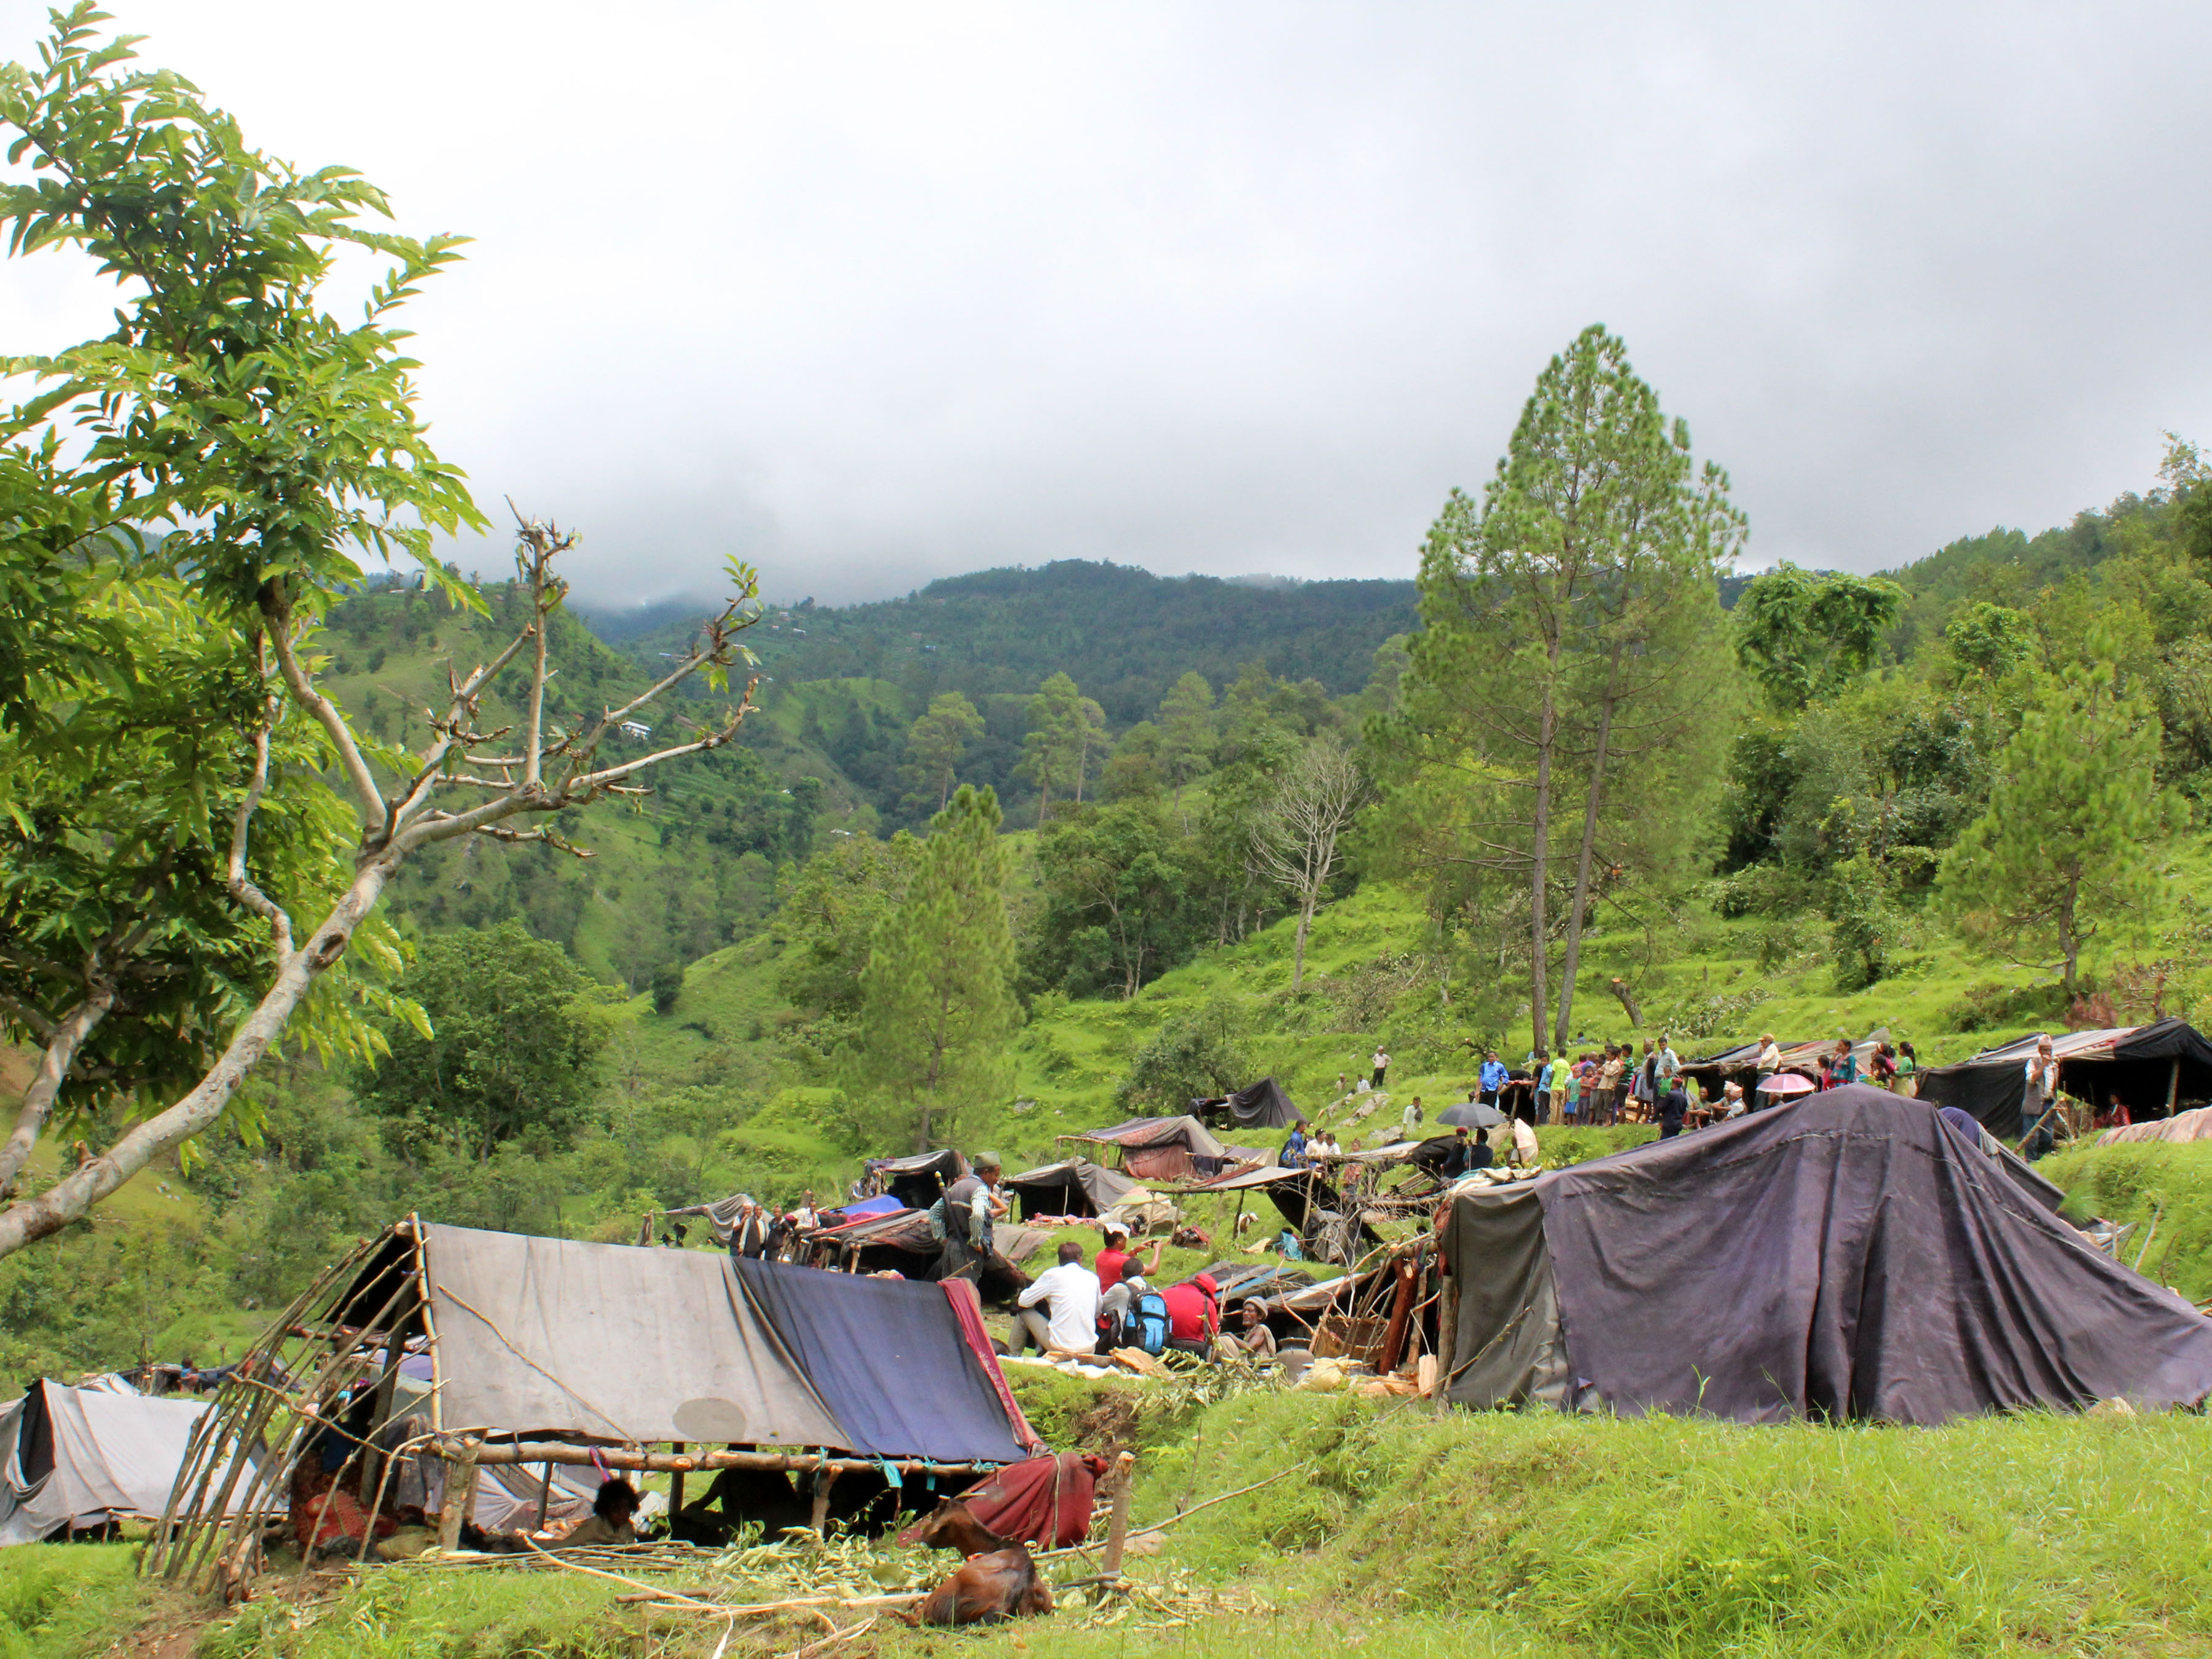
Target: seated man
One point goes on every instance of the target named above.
(609, 1522)
(1454, 1163)
(1068, 1293)
(1193, 1314)
(1479, 1155)
(1253, 1337)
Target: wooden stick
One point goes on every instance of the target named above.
(835, 1637)
(460, 1498)
(1117, 1527)
(453, 1447)
(1162, 1526)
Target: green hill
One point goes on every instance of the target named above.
(1124, 635)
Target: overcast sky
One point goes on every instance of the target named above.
(876, 294)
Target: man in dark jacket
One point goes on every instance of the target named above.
(962, 1219)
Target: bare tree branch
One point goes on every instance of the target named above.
(394, 829)
(276, 612)
(1294, 837)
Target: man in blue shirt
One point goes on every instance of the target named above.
(1294, 1149)
(1544, 1080)
(1494, 1078)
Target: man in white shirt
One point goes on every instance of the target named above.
(1381, 1065)
(1069, 1294)
(1766, 1065)
(1669, 1063)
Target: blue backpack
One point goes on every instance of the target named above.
(1145, 1325)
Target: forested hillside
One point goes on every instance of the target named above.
(1123, 633)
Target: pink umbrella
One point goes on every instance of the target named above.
(1787, 1083)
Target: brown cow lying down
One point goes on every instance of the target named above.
(1003, 1584)
(953, 1526)
(999, 1580)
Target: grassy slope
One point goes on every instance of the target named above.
(1505, 1533)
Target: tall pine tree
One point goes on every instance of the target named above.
(2069, 848)
(1568, 683)
(938, 1012)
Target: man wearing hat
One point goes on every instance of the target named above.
(962, 1219)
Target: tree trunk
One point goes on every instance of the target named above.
(1298, 953)
(45, 1088)
(27, 1220)
(1540, 986)
(1572, 962)
(2068, 940)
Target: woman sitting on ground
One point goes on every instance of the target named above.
(609, 1522)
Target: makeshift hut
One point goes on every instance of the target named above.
(73, 1460)
(2154, 1070)
(1740, 1065)
(1329, 1227)
(1851, 1255)
(1261, 1105)
(553, 1353)
(900, 1241)
(1072, 1187)
(917, 1181)
(1162, 1148)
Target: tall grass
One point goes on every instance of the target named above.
(63, 1599)
(1664, 1537)
(2165, 1183)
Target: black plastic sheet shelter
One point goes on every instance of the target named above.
(1074, 1186)
(1848, 1256)
(1737, 1065)
(1301, 1195)
(1261, 1105)
(920, 1181)
(2154, 1069)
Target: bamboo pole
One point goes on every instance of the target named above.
(1447, 1339)
(823, 1479)
(1117, 1527)
(453, 1448)
(460, 1498)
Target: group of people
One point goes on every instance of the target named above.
(1073, 1309)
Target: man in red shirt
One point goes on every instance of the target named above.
(1194, 1309)
(1115, 1260)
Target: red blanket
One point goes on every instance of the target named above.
(1045, 1501)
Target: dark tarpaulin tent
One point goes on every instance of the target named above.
(1262, 1105)
(1849, 1256)
(74, 1459)
(1162, 1148)
(2153, 1068)
(1074, 1186)
(920, 1181)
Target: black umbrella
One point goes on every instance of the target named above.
(1472, 1115)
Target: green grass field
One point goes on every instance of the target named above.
(1503, 1534)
